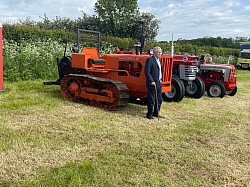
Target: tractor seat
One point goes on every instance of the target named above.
(97, 61)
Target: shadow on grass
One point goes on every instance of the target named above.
(133, 109)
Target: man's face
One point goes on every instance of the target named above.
(158, 53)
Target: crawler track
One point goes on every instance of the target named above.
(95, 91)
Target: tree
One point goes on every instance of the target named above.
(151, 25)
(122, 18)
(116, 16)
(27, 21)
(87, 22)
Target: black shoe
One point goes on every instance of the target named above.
(155, 114)
(150, 117)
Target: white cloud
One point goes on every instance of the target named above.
(231, 3)
(52, 8)
(195, 19)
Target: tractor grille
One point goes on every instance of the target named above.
(167, 66)
(188, 72)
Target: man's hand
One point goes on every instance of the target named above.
(153, 84)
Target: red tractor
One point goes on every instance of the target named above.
(216, 79)
(219, 79)
(185, 80)
(107, 81)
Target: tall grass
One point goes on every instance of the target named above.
(30, 60)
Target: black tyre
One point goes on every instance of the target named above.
(233, 91)
(216, 89)
(238, 67)
(64, 66)
(177, 93)
(196, 89)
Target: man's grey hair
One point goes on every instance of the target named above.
(155, 49)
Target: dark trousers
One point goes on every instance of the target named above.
(151, 103)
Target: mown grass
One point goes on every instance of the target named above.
(49, 141)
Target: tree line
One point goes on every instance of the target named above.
(215, 42)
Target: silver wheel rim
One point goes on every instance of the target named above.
(215, 91)
(172, 93)
(191, 89)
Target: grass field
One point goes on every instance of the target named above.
(46, 140)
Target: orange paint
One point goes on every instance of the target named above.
(127, 68)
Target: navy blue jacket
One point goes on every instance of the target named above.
(152, 72)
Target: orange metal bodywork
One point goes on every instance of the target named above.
(127, 68)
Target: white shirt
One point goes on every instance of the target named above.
(159, 65)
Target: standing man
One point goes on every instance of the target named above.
(153, 72)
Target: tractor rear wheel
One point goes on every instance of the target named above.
(177, 93)
(196, 89)
(216, 89)
(233, 91)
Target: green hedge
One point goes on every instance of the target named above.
(19, 33)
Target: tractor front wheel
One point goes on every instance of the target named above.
(196, 89)
(177, 93)
(216, 89)
(233, 91)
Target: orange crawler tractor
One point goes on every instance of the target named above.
(109, 81)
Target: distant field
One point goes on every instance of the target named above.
(49, 141)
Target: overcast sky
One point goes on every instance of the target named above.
(186, 19)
